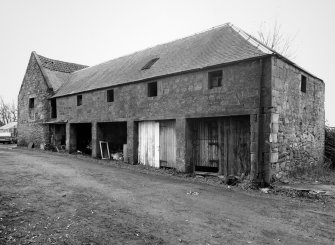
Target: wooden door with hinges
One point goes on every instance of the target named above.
(206, 145)
(221, 145)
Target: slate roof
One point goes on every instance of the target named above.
(219, 45)
(60, 66)
(56, 72)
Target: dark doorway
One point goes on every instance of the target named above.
(83, 137)
(58, 134)
(115, 133)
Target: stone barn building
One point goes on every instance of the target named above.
(218, 101)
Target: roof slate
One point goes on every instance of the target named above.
(57, 72)
(216, 46)
(61, 66)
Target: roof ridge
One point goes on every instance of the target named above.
(223, 44)
(156, 45)
(266, 49)
(254, 41)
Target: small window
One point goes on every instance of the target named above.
(31, 103)
(110, 95)
(303, 85)
(53, 108)
(31, 108)
(215, 79)
(152, 89)
(149, 64)
(79, 100)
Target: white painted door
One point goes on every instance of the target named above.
(148, 143)
(167, 143)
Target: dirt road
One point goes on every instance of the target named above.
(55, 199)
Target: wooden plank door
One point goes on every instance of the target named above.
(206, 143)
(235, 145)
(167, 143)
(213, 143)
(148, 143)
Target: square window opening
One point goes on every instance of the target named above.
(79, 100)
(152, 89)
(110, 95)
(303, 85)
(214, 79)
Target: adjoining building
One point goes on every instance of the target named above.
(8, 133)
(9, 128)
(217, 101)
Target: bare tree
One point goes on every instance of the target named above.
(8, 112)
(13, 111)
(274, 38)
(3, 112)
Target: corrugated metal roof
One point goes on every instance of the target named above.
(212, 47)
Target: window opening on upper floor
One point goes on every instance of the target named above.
(53, 108)
(152, 89)
(214, 79)
(31, 108)
(79, 100)
(303, 86)
(110, 95)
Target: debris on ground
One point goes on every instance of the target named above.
(118, 156)
(232, 180)
(265, 190)
(194, 193)
(305, 191)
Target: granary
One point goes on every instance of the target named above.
(217, 101)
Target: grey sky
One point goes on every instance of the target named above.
(91, 32)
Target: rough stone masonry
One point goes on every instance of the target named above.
(283, 103)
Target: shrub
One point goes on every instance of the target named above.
(330, 147)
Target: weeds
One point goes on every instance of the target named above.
(330, 146)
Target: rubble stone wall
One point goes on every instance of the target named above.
(33, 86)
(298, 119)
(179, 96)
